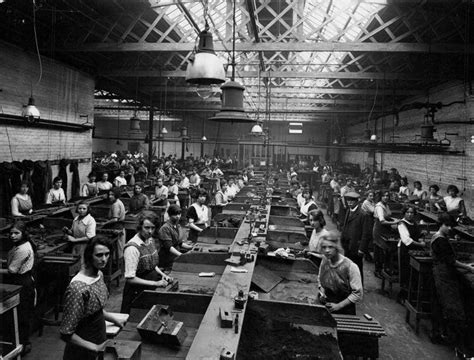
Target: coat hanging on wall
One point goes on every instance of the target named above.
(63, 173)
(75, 185)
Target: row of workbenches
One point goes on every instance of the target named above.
(286, 289)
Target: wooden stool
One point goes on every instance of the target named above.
(419, 291)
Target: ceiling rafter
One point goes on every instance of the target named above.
(393, 47)
(299, 90)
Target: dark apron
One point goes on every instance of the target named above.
(404, 266)
(27, 302)
(91, 328)
(131, 292)
(336, 296)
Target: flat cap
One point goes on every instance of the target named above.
(352, 194)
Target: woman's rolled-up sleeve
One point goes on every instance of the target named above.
(355, 282)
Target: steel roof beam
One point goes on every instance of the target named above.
(445, 48)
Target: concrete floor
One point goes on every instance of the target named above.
(401, 342)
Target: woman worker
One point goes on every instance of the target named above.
(83, 323)
(382, 228)
(454, 204)
(21, 203)
(410, 234)
(317, 221)
(307, 206)
(433, 198)
(90, 188)
(198, 216)
(340, 283)
(82, 230)
(169, 237)
(418, 191)
(20, 263)
(141, 262)
(448, 308)
(139, 200)
(120, 179)
(56, 194)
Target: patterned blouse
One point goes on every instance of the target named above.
(84, 297)
(21, 258)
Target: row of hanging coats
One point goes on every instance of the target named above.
(39, 176)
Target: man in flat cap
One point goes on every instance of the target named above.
(355, 231)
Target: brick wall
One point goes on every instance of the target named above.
(428, 169)
(62, 95)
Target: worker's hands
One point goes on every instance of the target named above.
(332, 307)
(168, 278)
(70, 238)
(161, 283)
(120, 322)
(101, 347)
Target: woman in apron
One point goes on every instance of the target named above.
(82, 230)
(83, 323)
(410, 233)
(20, 264)
(56, 194)
(90, 189)
(307, 206)
(382, 228)
(340, 283)
(21, 203)
(141, 263)
(448, 308)
(198, 216)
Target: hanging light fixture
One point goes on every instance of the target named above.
(256, 130)
(164, 131)
(135, 129)
(204, 138)
(30, 111)
(232, 93)
(204, 67)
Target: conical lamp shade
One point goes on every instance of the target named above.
(232, 104)
(205, 68)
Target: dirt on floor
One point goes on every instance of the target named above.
(266, 339)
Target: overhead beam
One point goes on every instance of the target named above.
(253, 24)
(294, 110)
(273, 74)
(285, 100)
(446, 48)
(297, 90)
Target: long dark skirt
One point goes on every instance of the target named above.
(26, 307)
(448, 307)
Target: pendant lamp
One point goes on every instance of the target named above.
(31, 112)
(232, 94)
(135, 130)
(204, 67)
(256, 130)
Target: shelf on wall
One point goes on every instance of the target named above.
(16, 120)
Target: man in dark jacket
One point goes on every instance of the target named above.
(355, 231)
